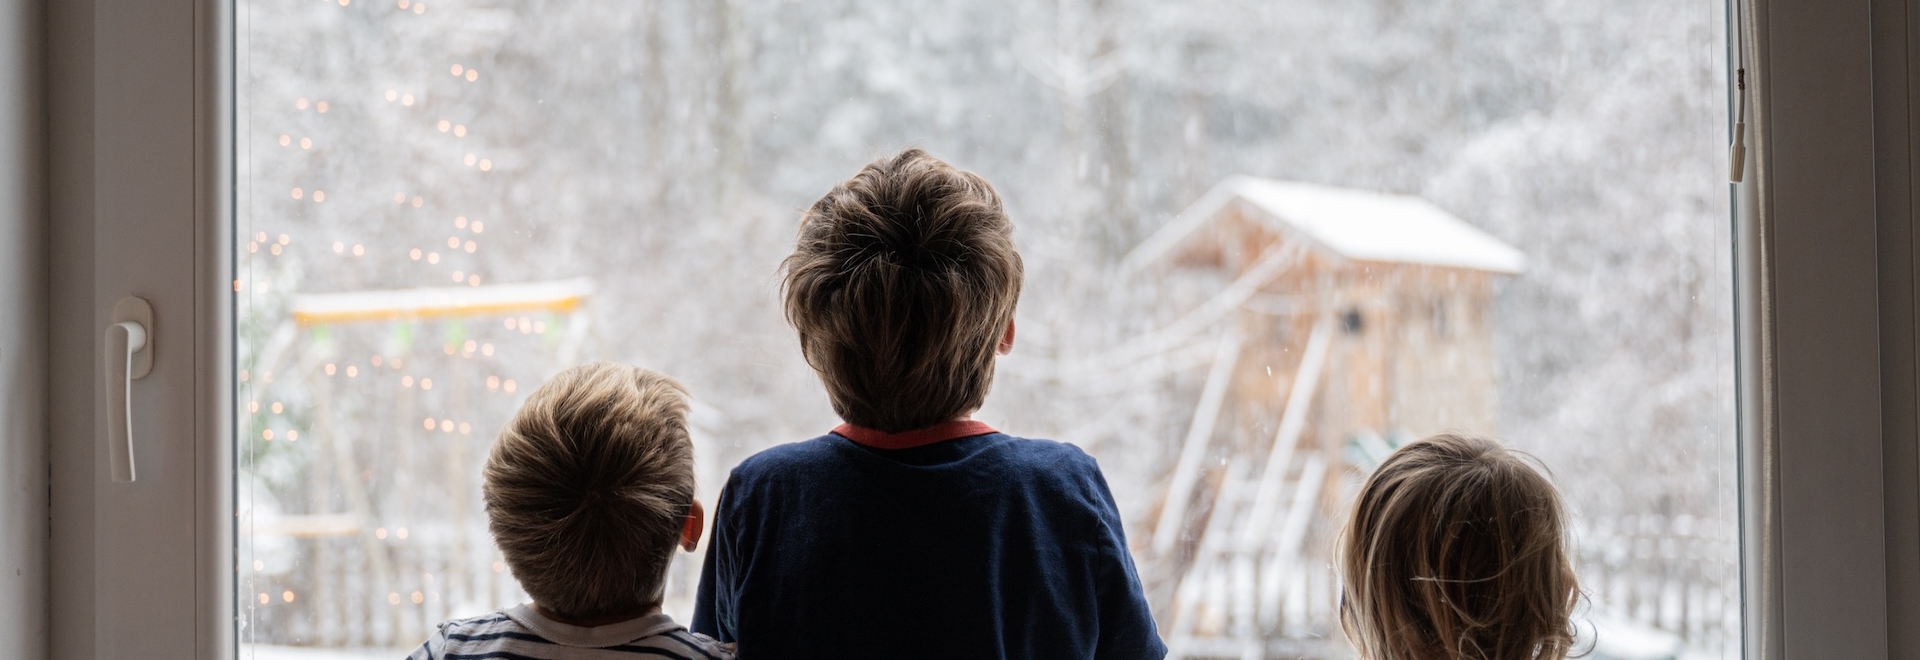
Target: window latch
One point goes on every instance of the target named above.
(127, 360)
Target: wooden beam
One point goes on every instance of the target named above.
(1173, 512)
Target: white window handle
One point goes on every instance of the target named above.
(133, 318)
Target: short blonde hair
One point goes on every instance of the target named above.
(1456, 550)
(900, 285)
(588, 487)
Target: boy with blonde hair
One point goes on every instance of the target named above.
(912, 530)
(588, 490)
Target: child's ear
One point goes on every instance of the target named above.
(1006, 340)
(690, 530)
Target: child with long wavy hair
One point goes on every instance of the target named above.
(1456, 550)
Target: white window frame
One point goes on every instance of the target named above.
(139, 101)
(139, 201)
(1826, 332)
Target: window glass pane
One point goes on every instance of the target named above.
(1265, 242)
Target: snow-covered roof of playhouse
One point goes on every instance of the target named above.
(1356, 224)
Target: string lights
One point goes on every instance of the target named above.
(337, 217)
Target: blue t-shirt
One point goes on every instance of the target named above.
(988, 546)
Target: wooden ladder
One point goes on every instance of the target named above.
(1230, 600)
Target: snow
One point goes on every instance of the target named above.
(1357, 224)
(277, 652)
(1615, 637)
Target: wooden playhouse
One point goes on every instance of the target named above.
(1349, 321)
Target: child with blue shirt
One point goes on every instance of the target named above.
(912, 530)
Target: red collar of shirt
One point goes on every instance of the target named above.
(941, 432)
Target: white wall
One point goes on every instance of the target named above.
(23, 324)
(71, 380)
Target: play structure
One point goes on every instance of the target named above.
(363, 519)
(1350, 321)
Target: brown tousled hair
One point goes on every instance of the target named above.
(900, 285)
(588, 487)
(1456, 551)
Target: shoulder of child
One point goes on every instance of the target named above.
(712, 648)
(456, 632)
(679, 643)
(1057, 467)
(1055, 454)
(783, 456)
(1043, 456)
(491, 622)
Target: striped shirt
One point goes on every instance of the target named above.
(521, 633)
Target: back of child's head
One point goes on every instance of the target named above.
(900, 285)
(1456, 551)
(587, 489)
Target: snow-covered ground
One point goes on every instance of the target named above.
(276, 652)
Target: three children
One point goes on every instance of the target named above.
(912, 530)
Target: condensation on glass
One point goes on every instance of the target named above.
(1265, 244)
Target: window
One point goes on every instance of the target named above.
(442, 203)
